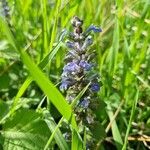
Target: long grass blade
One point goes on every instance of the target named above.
(130, 120)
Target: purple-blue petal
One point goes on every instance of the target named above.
(95, 87)
(89, 40)
(85, 65)
(93, 28)
(70, 44)
(71, 67)
(85, 103)
(63, 86)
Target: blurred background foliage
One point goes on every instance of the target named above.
(123, 60)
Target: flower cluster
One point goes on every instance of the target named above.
(5, 12)
(6, 9)
(79, 71)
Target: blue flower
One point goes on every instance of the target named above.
(93, 28)
(63, 86)
(88, 42)
(70, 44)
(85, 65)
(85, 103)
(71, 67)
(71, 55)
(66, 82)
(95, 87)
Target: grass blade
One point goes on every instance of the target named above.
(56, 133)
(130, 121)
(49, 89)
(114, 49)
(115, 130)
(76, 141)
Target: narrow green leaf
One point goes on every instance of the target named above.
(115, 130)
(130, 121)
(54, 29)
(49, 89)
(56, 133)
(76, 143)
(4, 27)
(45, 31)
(4, 108)
(114, 49)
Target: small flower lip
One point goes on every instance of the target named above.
(93, 28)
(95, 87)
(66, 83)
(71, 67)
(85, 103)
(63, 86)
(71, 55)
(70, 44)
(88, 42)
(79, 23)
(85, 65)
(73, 45)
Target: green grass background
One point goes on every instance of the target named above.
(31, 60)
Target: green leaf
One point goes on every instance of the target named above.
(56, 133)
(5, 29)
(1, 142)
(4, 81)
(76, 143)
(4, 108)
(115, 130)
(98, 131)
(114, 49)
(49, 89)
(25, 130)
(134, 104)
(45, 27)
